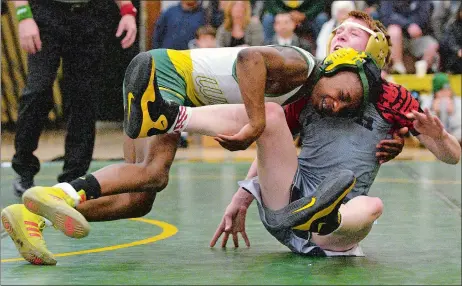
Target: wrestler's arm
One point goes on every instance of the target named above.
(243, 197)
(435, 138)
(400, 108)
(254, 66)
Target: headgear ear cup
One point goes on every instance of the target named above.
(378, 47)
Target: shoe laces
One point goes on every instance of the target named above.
(41, 225)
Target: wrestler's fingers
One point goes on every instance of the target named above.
(225, 239)
(235, 240)
(217, 234)
(246, 239)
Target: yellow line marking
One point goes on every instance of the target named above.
(167, 231)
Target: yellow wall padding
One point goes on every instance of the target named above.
(424, 84)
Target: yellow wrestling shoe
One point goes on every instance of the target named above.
(25, 229)
(54, 204)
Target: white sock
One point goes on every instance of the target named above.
(68, 189)
(182, 120)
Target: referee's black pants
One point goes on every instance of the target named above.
(74, 34)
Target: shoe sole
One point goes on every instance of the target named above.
(65, 218)
(138, 122)
(27, 250)
(328, 205)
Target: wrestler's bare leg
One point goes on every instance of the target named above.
(144, 173)
(358, 216)
(276, 153)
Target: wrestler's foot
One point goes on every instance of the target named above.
(146, 112)
(25, 229)
(326, 203)
(318, 213)
(58, 207)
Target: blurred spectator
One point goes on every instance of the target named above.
(205, 38)
(237, 28)
(257, 10)
(443, 13)
(339, 12)
(446, 105)
(408, 24)
(74, 32)
(215, 13)
(451, 45)
(284, 27)
(309, 16)
(178, 24)
(371, 7)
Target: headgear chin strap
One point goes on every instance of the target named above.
(362, 63)
(377, 45)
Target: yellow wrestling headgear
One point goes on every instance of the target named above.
(377, 46)
(362, 63)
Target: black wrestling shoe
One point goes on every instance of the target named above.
(146, 112)
(318, 213)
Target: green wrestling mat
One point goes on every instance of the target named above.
(416, 241)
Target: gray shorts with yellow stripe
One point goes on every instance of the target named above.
(297, 241)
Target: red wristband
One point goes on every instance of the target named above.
(128, 9)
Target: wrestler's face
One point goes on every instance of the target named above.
(350, 36)
(339, 95)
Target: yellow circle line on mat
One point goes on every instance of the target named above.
(167, 231)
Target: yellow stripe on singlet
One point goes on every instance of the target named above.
(172, 92)
(182, 62)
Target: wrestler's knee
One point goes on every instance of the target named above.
(156, 179)
(274, 115)
(362, 211)
(142, 203)
(376, 207)
(274, 111)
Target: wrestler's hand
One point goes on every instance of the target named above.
(241, 140)
(390, 148)
(428, 124)
(233, 222)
